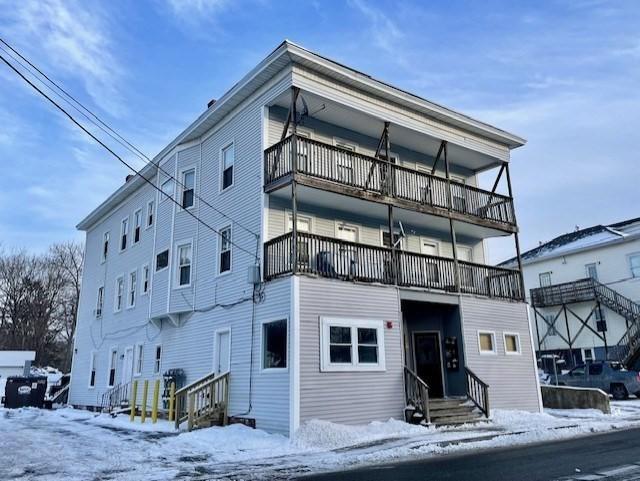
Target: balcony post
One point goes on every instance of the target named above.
(294, 175)
(515, 234)
(394, 263)
(452, 228)
(390, 171)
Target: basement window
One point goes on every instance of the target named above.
(351, 345)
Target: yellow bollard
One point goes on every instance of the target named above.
(172, 400)
(134, 393)
(154, 406)
(143, 408)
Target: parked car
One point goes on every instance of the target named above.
(609, 376)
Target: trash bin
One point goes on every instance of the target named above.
(23, 391)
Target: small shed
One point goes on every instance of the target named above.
(12, 362)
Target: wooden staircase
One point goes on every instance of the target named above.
(203, 403)
(421, 409)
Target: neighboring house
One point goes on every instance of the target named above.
(12, 363)
(337, 201)
(585, 292)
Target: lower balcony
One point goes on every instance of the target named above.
(350, 261)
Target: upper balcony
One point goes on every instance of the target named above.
(334, 169)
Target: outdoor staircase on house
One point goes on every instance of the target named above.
(585, 290)
(116, 398)
(420, 409)
(203, 403)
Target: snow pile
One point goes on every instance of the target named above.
(327, 435)
(3, 383)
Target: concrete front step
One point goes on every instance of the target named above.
(455, 420)
(457, 411)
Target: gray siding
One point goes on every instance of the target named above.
(348, 397)
(512, 378)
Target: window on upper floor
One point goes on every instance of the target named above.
(188, 186)
(99, 302)
(634, 264)
(105, 246)
(133, 286)
(162, 260)
(183, 273)
(137, 225)
(592, 270)
(228, 161)
(151, 211)
(145, 279)
(119, 295)
(274, 344)
(487, 342)
(545, 279)
(225, 250)
(124, 232)
(398, 240)
(167, 189)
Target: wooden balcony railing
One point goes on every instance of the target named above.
(338, 259)
(376, 176)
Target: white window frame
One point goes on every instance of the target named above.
(143, 269)
(584, 354)
(433, 242)
(219, 266)
(493, 343)
(157, 363)
(629, 257)
(132, 287)
(123, 299)
(123, 234)
(106, 239)
(99, 302)
(184, 171)
(137, 215)
(138, 359)
(545, 273)
(325, 360)
(163, 195)
(156, 270)
(384, 229)
(289, 222)
(232, 143)
(518, 351)
(115, 367)
(339, 224)
(151, 211)
(93, 357)
(262, 345)
(176, 274)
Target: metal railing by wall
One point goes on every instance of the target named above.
(342, 166)
(478, 391)
(339, 259)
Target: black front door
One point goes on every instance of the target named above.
(429, 362)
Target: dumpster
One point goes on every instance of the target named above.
(23, 391)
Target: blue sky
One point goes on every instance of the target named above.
(563, 74)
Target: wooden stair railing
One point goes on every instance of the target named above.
(202, 400)
(477, 391)
(417, 393)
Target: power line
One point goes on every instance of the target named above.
(106, 147)
(103, 126)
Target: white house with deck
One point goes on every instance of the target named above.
(584, 287)
(316, 240)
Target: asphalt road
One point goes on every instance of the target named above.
(612, 456)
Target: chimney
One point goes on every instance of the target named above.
(128, 178)
(211, 102)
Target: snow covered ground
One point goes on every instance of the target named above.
(78, 445)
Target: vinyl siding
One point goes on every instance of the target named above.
(512, 379)
(348, 397)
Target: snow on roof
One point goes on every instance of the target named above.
(16, 358)
(582, 239)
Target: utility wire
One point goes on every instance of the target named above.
(106, 147)
(99, 123)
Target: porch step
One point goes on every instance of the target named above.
(447, 403)
(455, 411)
(456, 420)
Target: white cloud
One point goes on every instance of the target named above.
(382, 29)
(67, 38)
(197, 7)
